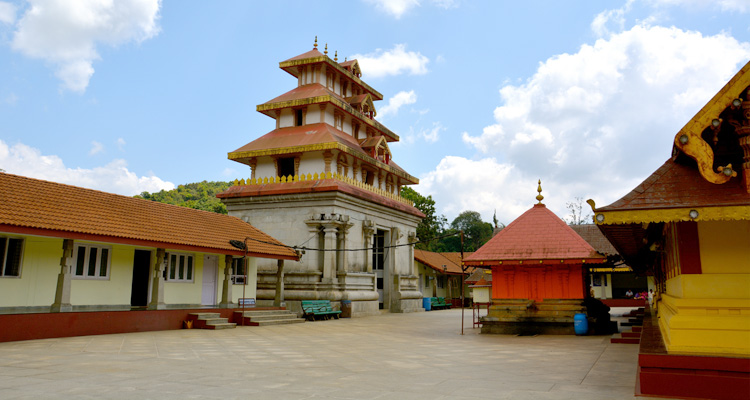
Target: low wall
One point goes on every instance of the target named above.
(55, 325)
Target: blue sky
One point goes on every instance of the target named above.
(487, 96)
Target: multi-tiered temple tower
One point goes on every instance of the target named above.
(324, 179)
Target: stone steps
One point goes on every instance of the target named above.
(210, 321)
(268, 317)
(619, 338)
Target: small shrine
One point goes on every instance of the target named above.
(538, 268)
(324, 180)
(688, 225)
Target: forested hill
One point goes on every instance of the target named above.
(198, 195)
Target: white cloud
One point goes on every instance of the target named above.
(67, 32)
(392, 62)
(7, 13)
(592, 124)
(121, 144)
(396, 8)
(610, 17)
(433, 134)
(96, 148)
(399, 100)
(114, 177)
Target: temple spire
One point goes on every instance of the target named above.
(539, 190)
(326, 51)
(336, 56)
(315, 46)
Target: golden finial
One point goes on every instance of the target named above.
(345, 59)
(336, 56)
(326, 52)
(539, 189)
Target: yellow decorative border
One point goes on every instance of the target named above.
(327, 60)
(612, 269)
(316, 176)
(333, 100)
(729, 213)
(322, 147)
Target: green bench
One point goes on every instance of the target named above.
(312, 309)
(438, 303)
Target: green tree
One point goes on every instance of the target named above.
(198, 195)
(476, 231)
(431, 225)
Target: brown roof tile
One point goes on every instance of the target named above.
(33, 206)
(594, 236)
(678, 185)
(436, 261)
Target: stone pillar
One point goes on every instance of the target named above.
(62, 294)
(329, 257)
(226, 289)
(157, 285)
(253, 166)
(327, 159)
(279, 299)
(368, 229)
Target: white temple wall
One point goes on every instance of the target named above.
(312, 163)
(286, 119)
(329, 116)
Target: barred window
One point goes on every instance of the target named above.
(179, 267)
(238, 271)
(11, 250)
(91, 261)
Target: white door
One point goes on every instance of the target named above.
(210, 273)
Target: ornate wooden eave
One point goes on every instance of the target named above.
(289, 65)
(264, 108)
(244, 156)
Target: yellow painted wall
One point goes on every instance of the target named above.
(252, 282)
(115, 290)
(39, 269)
(725, 247)
(709, 313)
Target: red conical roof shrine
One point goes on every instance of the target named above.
(538, 236)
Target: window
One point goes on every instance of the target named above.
(10, 250)
(238, 271)
(441, 282)
(179, 267)
(286, 166)
(91, 261)
(298, 117)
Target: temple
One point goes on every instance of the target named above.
(324, 180)
(538, 274)
(689, 224)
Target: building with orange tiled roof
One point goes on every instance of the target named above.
(538, 274)
(689, 224)
(66, 248)
(440, 275)
(324, 179)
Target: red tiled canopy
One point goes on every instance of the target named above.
(538, 236)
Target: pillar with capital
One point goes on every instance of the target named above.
(157, 285)
(368, 229)
(226, 292)
(62, 294)
(329, 257)
(279, 298)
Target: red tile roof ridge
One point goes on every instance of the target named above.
(317, 186)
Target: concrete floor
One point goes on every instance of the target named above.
(391, 356)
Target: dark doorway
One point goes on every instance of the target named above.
(378, 264)
(139, 290)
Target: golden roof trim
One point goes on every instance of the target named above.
(727, 213)
(322, 147)
(327, 60)
(335, 101)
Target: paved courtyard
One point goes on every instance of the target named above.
(391, 356)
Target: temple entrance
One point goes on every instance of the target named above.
(210, 272)
(139, 288)
(378, 264)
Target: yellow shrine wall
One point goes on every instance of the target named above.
(709, 313)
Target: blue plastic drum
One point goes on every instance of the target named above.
(427, 303)
(580, 324)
